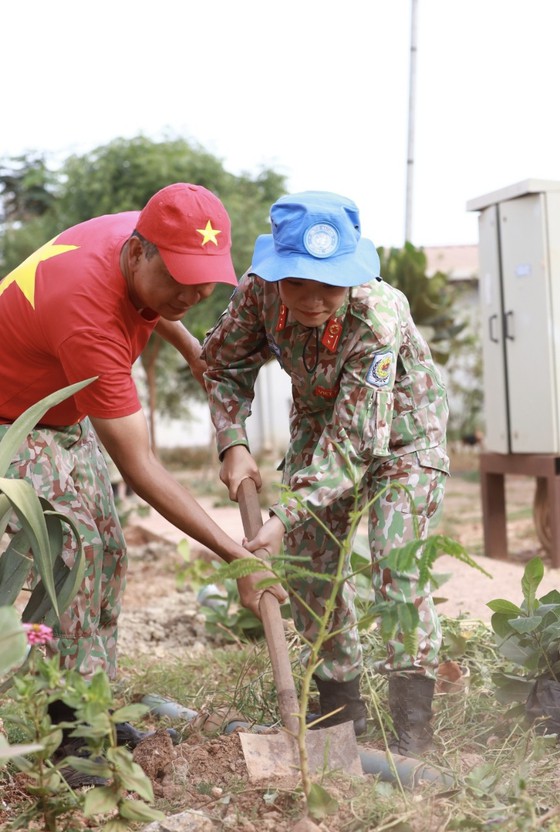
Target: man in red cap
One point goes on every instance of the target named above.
(83, 306)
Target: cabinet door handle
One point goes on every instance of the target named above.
(508, 319)
(491, 320)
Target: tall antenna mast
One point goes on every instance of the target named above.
(411, 114)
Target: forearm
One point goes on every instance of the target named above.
(186, 344)
(177, 334)
(126, 441)
(234, 351)
(178, 506)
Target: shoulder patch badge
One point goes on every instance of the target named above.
(379, 373)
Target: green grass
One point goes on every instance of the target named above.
(505, 776)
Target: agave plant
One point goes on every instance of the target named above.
(39, 542)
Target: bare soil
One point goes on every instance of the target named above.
(161, 617)
(158, 618)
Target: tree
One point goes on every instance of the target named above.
(26, 188)
(122, 176)
(27, 195)
(432, 299)
(434, 303)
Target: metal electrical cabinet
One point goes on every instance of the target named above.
(519, 253)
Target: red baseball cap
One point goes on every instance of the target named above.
(192, 231)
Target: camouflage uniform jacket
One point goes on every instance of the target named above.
(374, 392)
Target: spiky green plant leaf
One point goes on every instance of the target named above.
(15, 564)
(67, 580)
(13, 641)
(28, 509)
(16, 433)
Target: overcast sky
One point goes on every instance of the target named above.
(317, 90)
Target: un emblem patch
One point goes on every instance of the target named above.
(321, 239)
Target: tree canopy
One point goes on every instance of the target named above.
(432, 299)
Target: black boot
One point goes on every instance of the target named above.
(410, 703)
(128, 735)
(77, 746)
(345, 695)
(71, 747)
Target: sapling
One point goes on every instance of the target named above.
(528, 636)
(392, 616)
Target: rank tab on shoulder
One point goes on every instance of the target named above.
(282, 315)
(331, 335)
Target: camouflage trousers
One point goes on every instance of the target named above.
(395, 516)
(66, 466)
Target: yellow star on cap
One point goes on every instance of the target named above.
(209, 234)
(24, 275)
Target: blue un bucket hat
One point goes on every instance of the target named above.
(316, 235)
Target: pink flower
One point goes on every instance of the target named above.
(38, 633)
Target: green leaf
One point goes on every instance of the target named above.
(408, 617)
(388, 624)
(100, 800)
(138, 782)
(320, 803)
(513, 649)
(440, 578)
(28, 508)
(17, 432)
(552, 598)
(67, 583)
(525, 625)
(551, 635)
(129, 713)
(238, 569)
(87, 765)
(402, 558)
(15, 565)
(500, 624)
(13, 641)
(139, 811)
(8, 751)
(5, 512)
(116, 825)
(131, 775)
(502, 606)
(511, 688)
(99, 688)
(532, 576)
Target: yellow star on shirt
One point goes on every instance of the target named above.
(24, 274)
(209, 234)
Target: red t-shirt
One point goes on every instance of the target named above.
(66, 316)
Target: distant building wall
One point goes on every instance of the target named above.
(267, 427)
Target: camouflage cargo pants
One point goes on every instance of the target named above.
(66, 467)
(395, 516)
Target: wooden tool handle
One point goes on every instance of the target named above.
(270, 613)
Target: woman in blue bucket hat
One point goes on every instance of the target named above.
(369, 412)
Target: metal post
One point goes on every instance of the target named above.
(411, 113)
